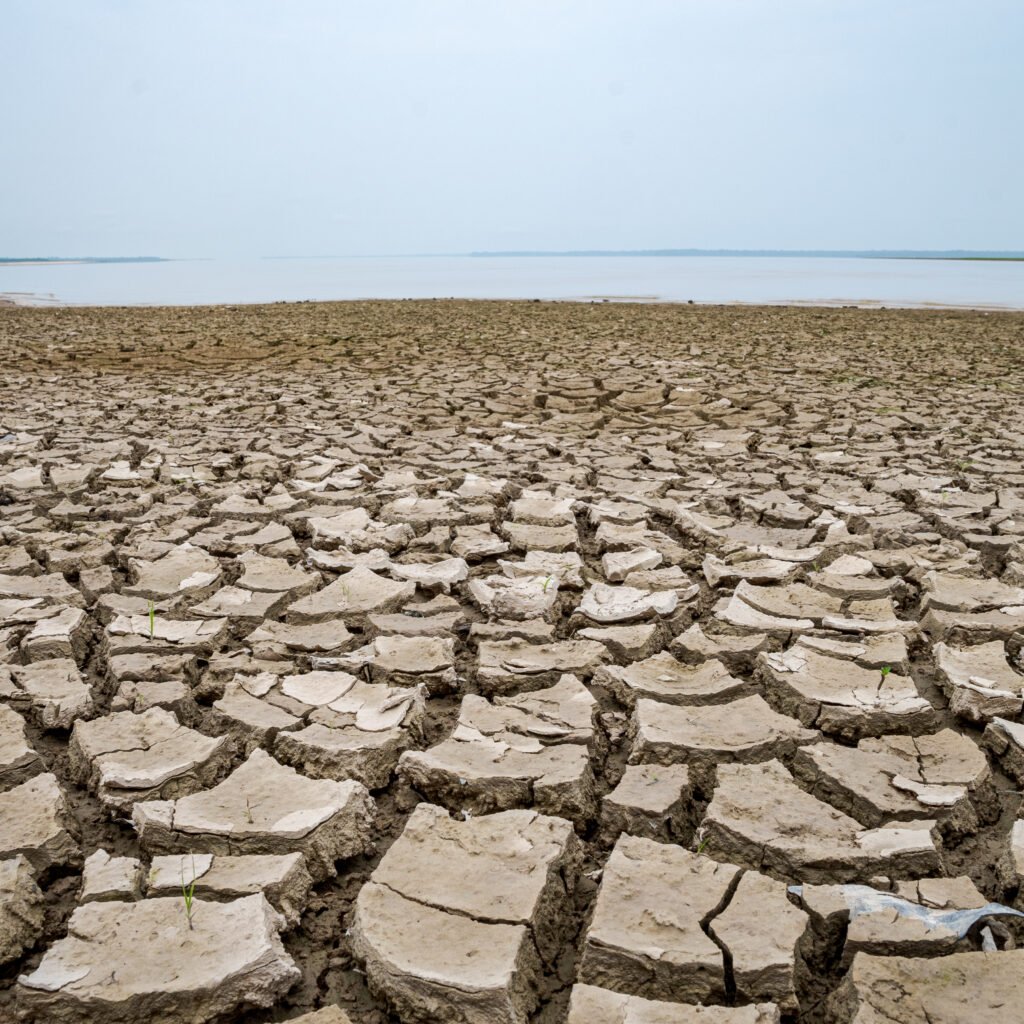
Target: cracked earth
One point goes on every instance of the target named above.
(511, 663)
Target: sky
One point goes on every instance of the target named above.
(246, 128)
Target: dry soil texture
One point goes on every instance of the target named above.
(506, 662)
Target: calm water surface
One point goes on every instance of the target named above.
(828, 281)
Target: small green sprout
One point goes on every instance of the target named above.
(886, 669)
(546, 583)
(188, 892)
(152, 619)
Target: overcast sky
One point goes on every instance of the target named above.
(326, 127)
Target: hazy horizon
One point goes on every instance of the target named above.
(257, 129)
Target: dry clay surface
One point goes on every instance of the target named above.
(497, 663)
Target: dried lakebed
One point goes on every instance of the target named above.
(494, 663)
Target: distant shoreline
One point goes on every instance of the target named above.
(43, 261)
(865, 254)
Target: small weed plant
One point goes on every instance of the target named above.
(188, 893)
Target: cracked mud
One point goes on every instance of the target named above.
(511, 663)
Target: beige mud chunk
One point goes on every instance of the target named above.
(607, 511)
(542, 509)
(21, 908)
(1006, 741)
(745, 730)
(794, 600)
(664, 679)
(267, 808)
(511, 666)
(608, 605)
(25, 478)
(35, 821)
(875, 651)
(17, 612)
(50, 589)
(965, 628)
(849, 585)
(65, 635)
(976, 987)
(18, 761)
(612, 536)
(877, 615)
(903, 778)
(474, 543)
(502, 756)
(979, 681)
(110, 878)
(239, 604)
(131, 635)
(359, 734)
(761, 928)
(498, 890)
(423, 513)
(843, 699)
(617, 565)
(564, 713)
(517, 599)
(16, 561)
(173, 695)
(282, 879)
(440, 624)
(126, 757)
(52, 692)
(275, 575)
(341, 559)
(565, 566)
(758, 816)
(238, 506)
(345, 529)
(777, 508)
(627, 643)
(952, 593)
(352, 597)
(650, 800)
(645, 937)
(251, 720)
(589, 1004)
(231, 959)
(535, 631)
(407, 661)
(735, 613)
(517, 867)
(671, 578)
(530, 537)
(755, 570)
(237, 537)
(440, 576)
(737, 653)
(280, 640)
(183, 571)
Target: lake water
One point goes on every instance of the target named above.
(702, 279)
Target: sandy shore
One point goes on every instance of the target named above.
(520, 641)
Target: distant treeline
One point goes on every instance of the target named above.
(890, 254)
